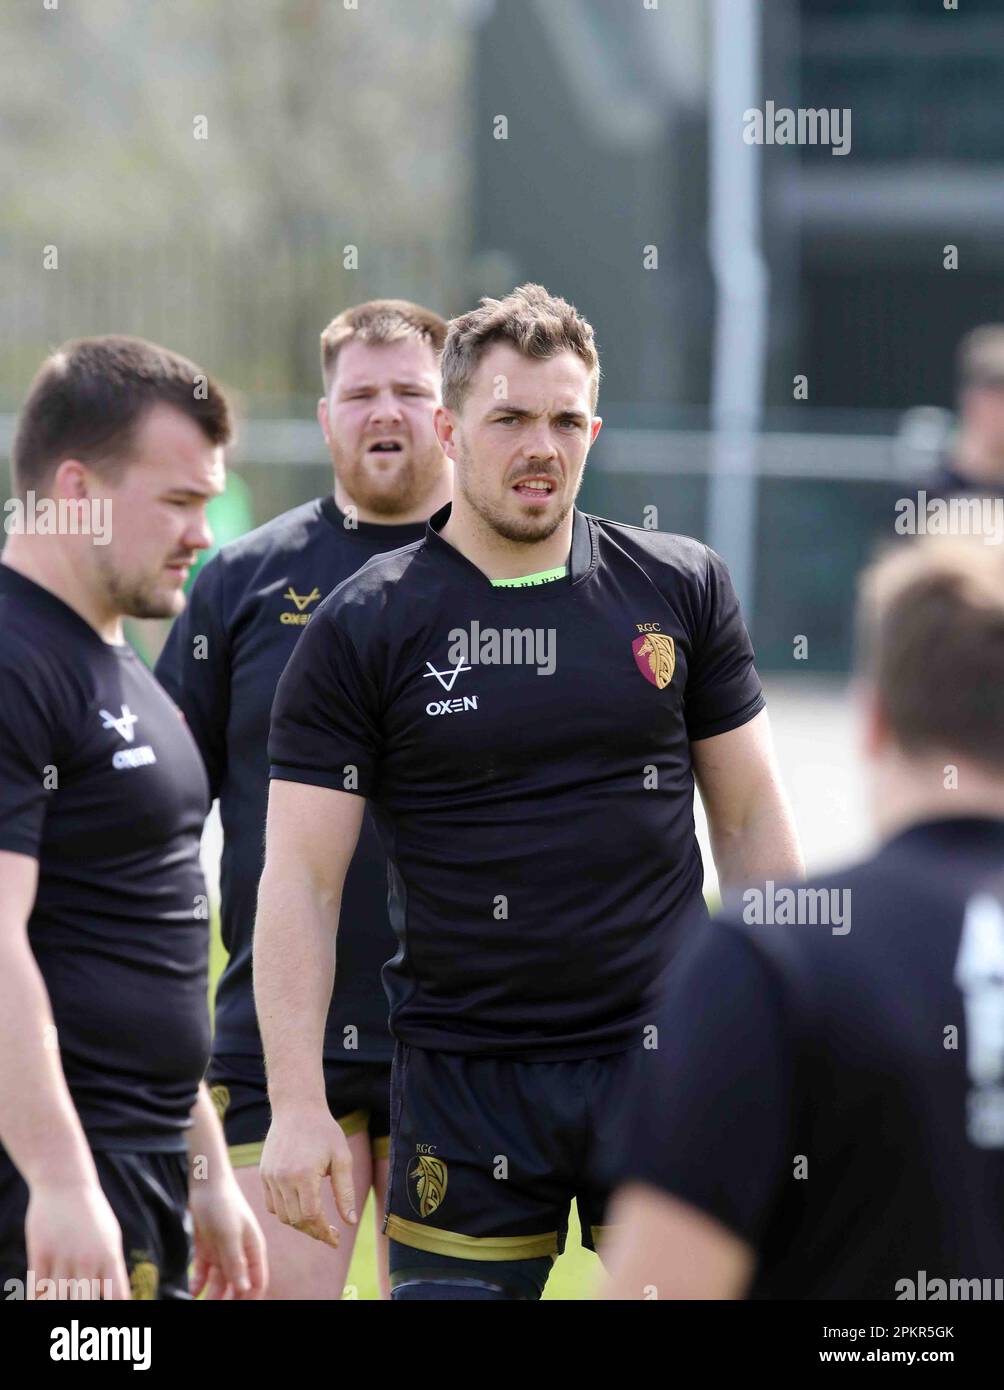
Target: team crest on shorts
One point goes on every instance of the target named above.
(427, 1184)
(144, 1277)
(220, 1096)
(655, 656)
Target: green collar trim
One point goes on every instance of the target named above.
(527, 580)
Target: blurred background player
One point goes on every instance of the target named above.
(975, 459)
(537, 807)
(834, 1126)
(104, 932)
(222, 662)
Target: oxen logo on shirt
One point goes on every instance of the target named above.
(655, 655)
(302, 602)
(429, 1176)
(122, 726)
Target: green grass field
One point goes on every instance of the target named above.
(575, 1272)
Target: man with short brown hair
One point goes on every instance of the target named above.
(525, 698)
(111, 1148)
(833, 1128)
(223, 659)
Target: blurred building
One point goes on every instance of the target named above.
(589, 155)
(857, 245)
(605, 153)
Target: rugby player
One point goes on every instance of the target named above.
(834, 1127)
(104, 933)
(525, 697)
(222, 662)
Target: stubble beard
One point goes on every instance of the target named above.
(138, 598)
(517, 530)
(406, 490)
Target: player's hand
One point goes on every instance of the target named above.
(71, 1233)
(230, 1259)
(303, 1147)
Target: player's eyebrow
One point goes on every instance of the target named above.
(522, 413)
(191, 494)
(353, 388)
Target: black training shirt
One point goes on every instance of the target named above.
(810, 1088)
(539, 826)
(248, 606)
(101, 783)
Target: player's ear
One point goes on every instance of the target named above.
(595, 428)
(444, 425)
(322, 418)
(873, 726)
(71, 479)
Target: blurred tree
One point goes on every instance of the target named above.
(324, 126)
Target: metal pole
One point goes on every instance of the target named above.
(740, 337)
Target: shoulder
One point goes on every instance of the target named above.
(681, 567)
(23, 656)
(240, 566)
(43, 676)
(684, 554)
(390, 582)
(290, 530)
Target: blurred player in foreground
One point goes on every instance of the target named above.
(833, 1127)
(223, 659)
(525, 697)
(109, 1139)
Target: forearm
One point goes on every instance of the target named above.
(294, 972)
(759, 843)
(39, 1126)
(208, 1160)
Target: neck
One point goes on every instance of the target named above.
(498, 557)
(437, 497)
(52, 567)
(905, 792)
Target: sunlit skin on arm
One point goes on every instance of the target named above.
(230, 1259)
(753, 835)
(311, 834)
(70, 1230)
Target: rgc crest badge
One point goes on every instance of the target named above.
(655, 655)
(427, 1184)
(144, 1277)
(220, 1096)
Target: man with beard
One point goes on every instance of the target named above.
(222, 662)
(524, 697)
(109, 1137)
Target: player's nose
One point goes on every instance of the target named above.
(199, 535)
(386, 407)
(539, 446)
